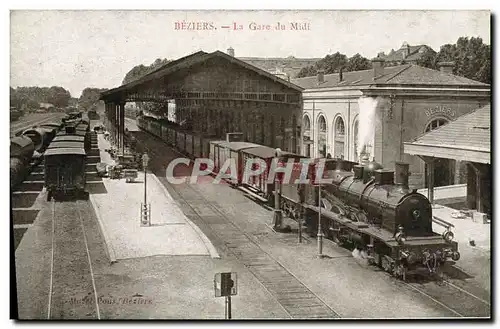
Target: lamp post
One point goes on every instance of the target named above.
(278, 216)
(145, 208)
(320, 231)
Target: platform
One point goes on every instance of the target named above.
(447, 192)
(465, 228)
(118, 211)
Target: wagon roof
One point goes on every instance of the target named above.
(64, 151)
(50, 124)
(66, 144)
(236, 146)
(68, 138)
(76, 133)
(266, 152)
(38, 130)
(20, 141)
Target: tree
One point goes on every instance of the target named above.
(428, 59)
(471, 56)
(58, 96)
(333, 63)
(358, 63)
(31, 97)
(89, 100)
(139, 71)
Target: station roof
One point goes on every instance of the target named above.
(468, 138)
(65, 151)
(188, 61)
(408, 74)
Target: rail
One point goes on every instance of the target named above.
(442, 222)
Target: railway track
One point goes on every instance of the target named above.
(459, 302)
(295, 298)
(23, 125)
(72, 291)
(454, 300)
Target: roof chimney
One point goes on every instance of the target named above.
(341, 74)
(230, 51)
(446, 67)
(321, 76)
(378, 67)
(406, 49)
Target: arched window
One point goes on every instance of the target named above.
(436, 123)
(322, 124)
(339, 128)
(322, 129)
(339, 138)
(306, 127)
(306, 123)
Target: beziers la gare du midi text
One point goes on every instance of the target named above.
(199, 26)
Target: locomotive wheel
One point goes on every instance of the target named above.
(400, 271)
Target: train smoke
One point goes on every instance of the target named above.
(367, 121)
(360, 256)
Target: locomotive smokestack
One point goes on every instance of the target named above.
(402, 173)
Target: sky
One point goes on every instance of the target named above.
(79, 49)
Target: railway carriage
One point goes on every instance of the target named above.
(65, 172)
(221, 151)
(267, 154)
(81, 131)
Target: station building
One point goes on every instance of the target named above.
(213, 94)
(409, 101)
(467, 139)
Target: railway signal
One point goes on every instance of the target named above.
(225, 285)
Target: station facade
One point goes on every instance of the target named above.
(409, 101)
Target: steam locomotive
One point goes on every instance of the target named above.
(374, 210)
